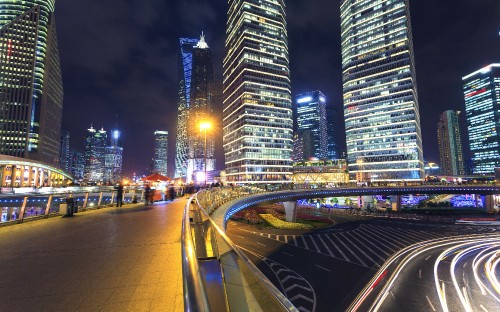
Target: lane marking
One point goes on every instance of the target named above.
(420, 273)
(319, 266)
(286, 239)
(369, 249)
(335, 245)
(286, 253)
(261, 244)
(354, 254)
(483, 308)
(465, 264)
(430, 303)
(428, 257)
(369, 242)
(314, 243)
(304, 240)
(324, 244)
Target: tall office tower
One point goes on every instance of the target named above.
(333, 126)
(482, 104)
(113, 159)
(184, 103)
(95, 153)
(258, 121)
(65, 158)
(160, 159)
(78, 165)
(381, 111)
(451, 155)
(312, 124)
(298, 148)
(201, 110)
(31, 94)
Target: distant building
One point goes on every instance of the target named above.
(201, 110)
(320, 172)
(160, 159)
(333, 126)
(184, 103)
(381, 111)
(113, 159)
(482, 106)
(95, 154)
(451, 154)
(65, 154)
(298, 148)
(32, 100)
(312, 124)
(257, 103)
(78, 165)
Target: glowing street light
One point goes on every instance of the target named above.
(204, 126)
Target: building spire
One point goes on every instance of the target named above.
(202, 44)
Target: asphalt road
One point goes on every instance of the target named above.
(325, 269)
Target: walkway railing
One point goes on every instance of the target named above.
(217, 275)
(16, 208)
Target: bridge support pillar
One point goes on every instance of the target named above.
(367, 202)
(489, 204)
(290, 211)
(396, 202)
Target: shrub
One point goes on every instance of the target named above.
(283, 225)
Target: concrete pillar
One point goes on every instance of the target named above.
(365, 201)
(291, 211)
(396, 202)
(489, 204)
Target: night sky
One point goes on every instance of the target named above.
(119, 58)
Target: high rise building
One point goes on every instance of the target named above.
(381, 110)
(184, 103)
(65, 158)
(201, 110)
(451, 155)
(95, 153)
(77, 165)
(312, 124)
(113, 159)
(31, 94)
(257, 105)
(298, 148)
(482, 104)
(160, 159)
(333, 125)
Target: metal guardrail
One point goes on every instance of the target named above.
(24, 207)
(234, 283)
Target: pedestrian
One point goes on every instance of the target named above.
(171, 190)
(119, 195)
(147, 192)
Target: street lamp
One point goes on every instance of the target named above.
(204, 126)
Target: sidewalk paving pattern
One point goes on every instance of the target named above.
(112, 259)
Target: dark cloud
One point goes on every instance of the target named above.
(120, 58)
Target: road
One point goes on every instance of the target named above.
(325, 269)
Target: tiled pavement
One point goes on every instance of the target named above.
(113, 259)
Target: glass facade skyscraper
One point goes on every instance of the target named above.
(95, 154)
(184, 102)
(380, 92)
(482, 106)
(451, 156)
(160, 159)
(257, 105)
(113, 160)
(201, 110)
(312, 124)
(31, 129)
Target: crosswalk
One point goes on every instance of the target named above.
(368, 245)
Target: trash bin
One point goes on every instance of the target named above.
(70, 202)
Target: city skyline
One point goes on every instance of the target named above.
(150, 61)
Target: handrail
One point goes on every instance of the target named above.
(195, 296)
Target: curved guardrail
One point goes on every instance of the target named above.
(217, 275)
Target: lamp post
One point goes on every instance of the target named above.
(204, 126)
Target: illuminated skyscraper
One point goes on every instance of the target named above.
(451, 156)
(160, 159)
(184, 103)
(65, 158)
(380, 92)
(114, 159)
(312, 125)
(95, 154)
(31, 91)
(482, 106)
(333, 125)
(257, 105)
(201, 110)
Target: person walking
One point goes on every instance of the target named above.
(147, 193)
(119, 195)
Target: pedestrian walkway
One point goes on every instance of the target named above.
(112, 259)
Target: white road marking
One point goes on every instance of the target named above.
(268, 235)
(324, 244)
(314, 243)
(261, 244)
(355, 255)
(430, 303)
(286, 239)
(420, 273)
(465, 264)
(319, 266)
(482, 307)
(373, 252)
(286, 253)
(304, 240)
(369, 242)
(427, 258)
(337, 247)
(382, 242)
